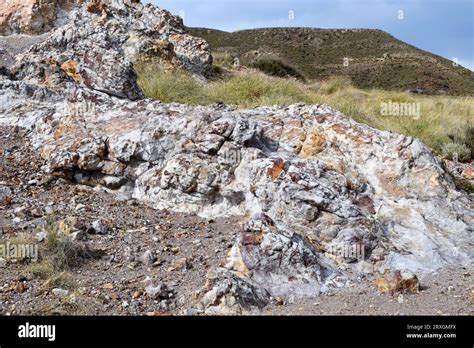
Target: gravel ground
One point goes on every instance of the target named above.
(180, 249)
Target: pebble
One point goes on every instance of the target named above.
(20, 211)
(78, 235)
(41, 236)
(159, 291)
(148, 258)
(21, 287)
(37, 212)
(181, 263)
(60, 292)
(80, 207)
(99, 227)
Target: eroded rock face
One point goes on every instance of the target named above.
(32, 16)
(102, 39)
(326, 193)
(322, 194)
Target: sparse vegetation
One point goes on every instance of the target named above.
(455, 151)
(440, 116)
(463, 185)
(371, 58)
(275, 67)
(61, 251)
(223, 59)
(58, 255)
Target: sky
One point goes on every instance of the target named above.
(443, 27)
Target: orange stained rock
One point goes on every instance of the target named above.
(96, 6)
(313, 144)
(70, 67)
(468, 173)
(276, 169)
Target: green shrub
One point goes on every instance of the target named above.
(275, 67)
(469, 140)
(223, 59)
(455, 151)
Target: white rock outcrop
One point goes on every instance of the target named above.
(321, 192)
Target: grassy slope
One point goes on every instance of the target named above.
(320, 53)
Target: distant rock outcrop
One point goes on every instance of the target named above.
(323, 194)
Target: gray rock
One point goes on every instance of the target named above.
(41, 236)
(97, 49)
(159, 291)
(99, 227)
(60, 292)
(78, 235)
(148, 258)
(4, 192)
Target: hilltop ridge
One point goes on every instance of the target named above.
(372, 58)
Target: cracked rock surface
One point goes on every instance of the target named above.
(323, 195)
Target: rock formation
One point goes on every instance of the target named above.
(101, 40)
(322, 194)
(33, 16)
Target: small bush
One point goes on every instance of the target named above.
(455, 151)
(464, 185)
(469, 140)
(63, 252)
(335, 84)
(223, 59)
(275, 67)
(170, 86)
(58, 254)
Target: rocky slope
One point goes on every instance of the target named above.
(322, 197)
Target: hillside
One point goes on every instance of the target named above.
(320, 53)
